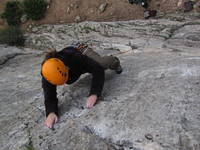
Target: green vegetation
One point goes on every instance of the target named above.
(12, 13)
(30, 147)
(35, 9)
(12, 36)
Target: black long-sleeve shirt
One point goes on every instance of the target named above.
(78, 64)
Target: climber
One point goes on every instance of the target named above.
(66, 66)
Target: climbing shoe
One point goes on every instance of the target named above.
(119, 69)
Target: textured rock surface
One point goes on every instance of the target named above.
(153, 105)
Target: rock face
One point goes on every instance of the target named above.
(153, 105)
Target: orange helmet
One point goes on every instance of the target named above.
(55, 71)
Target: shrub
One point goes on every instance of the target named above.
(12, 36)
(12, 13)
(35, 9)
(29, 147)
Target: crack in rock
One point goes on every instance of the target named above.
(119, 145)
(6, 58)
(175, 28)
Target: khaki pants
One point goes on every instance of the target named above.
(107, 62)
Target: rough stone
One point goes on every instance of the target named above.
(48, 1)
(68, 10)
(197, 7)
(24, 18)
(48, 6)
(34, 29)
(153, 105)
(102, 7)
(180, 3)
(77, 19)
